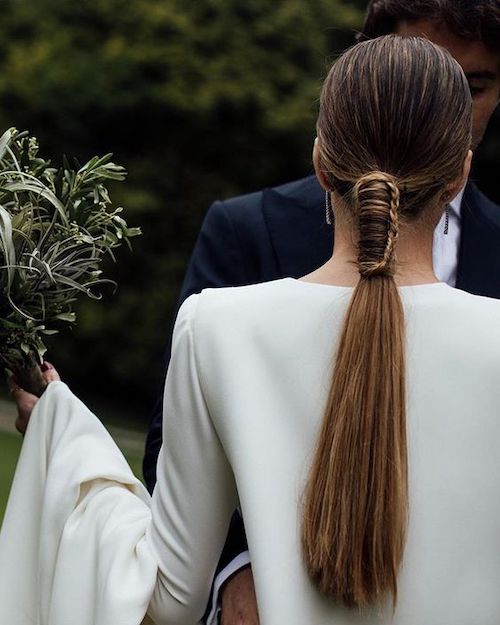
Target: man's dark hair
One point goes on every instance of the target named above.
(474, 20)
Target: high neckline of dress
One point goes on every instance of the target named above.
(320, 285)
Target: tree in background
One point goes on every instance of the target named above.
(199, 101)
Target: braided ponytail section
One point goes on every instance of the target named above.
(376, 196)
(356, 499)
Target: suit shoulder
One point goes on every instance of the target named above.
(298, 188)
(488, 209)
(239, 206)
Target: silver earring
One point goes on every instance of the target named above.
(446, 218)
(329, 208)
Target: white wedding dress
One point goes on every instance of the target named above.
(83, 544)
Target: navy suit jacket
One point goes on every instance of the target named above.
(281, 232)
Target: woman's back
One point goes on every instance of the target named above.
(265, 355)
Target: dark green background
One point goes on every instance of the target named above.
(199, 100)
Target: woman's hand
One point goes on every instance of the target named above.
(26, 401)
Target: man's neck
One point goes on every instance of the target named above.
(456, 203)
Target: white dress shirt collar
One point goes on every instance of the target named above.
(446, 246)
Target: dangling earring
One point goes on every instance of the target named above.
(329, 208)
(446, 218)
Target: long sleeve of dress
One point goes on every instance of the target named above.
(195, 494)
(80, 543)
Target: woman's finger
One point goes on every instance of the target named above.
(25, 403)
(50, 373)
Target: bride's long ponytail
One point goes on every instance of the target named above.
(394, 129)
(357, 497)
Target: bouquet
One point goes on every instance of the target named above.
(56, 226)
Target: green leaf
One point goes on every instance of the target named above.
(67, 316)
(7, 246)
(5, 140)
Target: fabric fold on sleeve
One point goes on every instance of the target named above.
(73, 545)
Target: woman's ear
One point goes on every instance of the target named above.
(454, 188)
(320, 173)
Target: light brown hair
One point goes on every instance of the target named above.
(394, 129)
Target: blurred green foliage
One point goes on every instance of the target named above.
(199, 100)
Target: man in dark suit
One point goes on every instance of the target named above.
(282, 232)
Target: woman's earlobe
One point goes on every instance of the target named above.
(319, 170)
(451, 193)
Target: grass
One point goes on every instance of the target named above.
(10, 445)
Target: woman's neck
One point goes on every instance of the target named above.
(413, 259)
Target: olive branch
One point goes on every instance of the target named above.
(56, 226)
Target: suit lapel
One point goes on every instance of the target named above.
(478, 269)
(301, 239)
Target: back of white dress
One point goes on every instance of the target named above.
(265, 354)
(244, 397)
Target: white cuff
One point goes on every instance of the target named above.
(235, 565)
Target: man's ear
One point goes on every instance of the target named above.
(454, 188)
(320, 172)
(467, 167)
